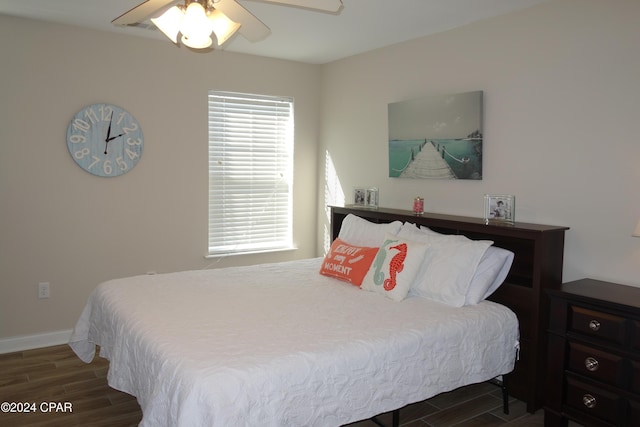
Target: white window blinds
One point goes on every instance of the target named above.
(250, 172)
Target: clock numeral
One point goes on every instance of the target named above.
(105, 113)
(107, 168)
(123, 165)
(131, 154)
(77, 139)
(81, 125)
(120, 117)
(131, 141)
(80, 154)
(131, 128)
(91, 115)
(96, 160)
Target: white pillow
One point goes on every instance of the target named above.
(360, 232)
(449, 265)
(395, 267)
(491, 272)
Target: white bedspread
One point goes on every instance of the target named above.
(281, 345)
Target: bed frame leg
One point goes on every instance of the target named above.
(395, 419)
(505, 392)
(505, 395)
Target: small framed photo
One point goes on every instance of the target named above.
(359, 196)
(371, 197)
(499, 208)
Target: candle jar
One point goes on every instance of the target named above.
(418, 206)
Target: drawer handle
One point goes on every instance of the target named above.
(589, 401)
(594, 325)
(591, 364)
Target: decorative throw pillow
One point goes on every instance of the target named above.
(347, 262)
(394, 267)
(360, 232)
(449, 265)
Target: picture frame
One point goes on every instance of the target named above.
(359, 196)
(499, 208)
(365, 197)
(371, 198)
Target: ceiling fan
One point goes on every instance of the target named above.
(196, 20)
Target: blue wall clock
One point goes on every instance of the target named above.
(105, 140)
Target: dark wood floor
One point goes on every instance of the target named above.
(55, 374)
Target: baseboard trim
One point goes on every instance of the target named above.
(29, 342)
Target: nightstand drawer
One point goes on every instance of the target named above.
(635, 343)
(594, 401)
(596, 364)
(635, 376)
(597, 324)
(634, 412)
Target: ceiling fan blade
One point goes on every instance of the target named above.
(251, 27)
(142, 11)
(332, 6)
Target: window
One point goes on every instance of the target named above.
(250, 173)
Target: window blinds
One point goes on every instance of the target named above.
(250, 172)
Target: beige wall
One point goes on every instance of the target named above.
(561, 86)
(62, 225)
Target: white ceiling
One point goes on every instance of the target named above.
(296, 34)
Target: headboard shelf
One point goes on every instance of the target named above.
(537, 266)
(451, 222)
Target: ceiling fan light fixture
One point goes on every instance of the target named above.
(196, 24)
(198, 42)
(224, 18)
(169, 22)
(223, 27)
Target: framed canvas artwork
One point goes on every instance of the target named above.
(436, 137)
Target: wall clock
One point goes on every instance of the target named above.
(105, 140)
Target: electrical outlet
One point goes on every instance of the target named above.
(43, 290)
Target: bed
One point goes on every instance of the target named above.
(282, 345)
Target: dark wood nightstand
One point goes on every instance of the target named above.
(593, 368)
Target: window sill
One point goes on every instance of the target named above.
(265, 251)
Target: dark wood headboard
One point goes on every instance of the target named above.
(537, 266)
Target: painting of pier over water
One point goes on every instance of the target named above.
(438, 137)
